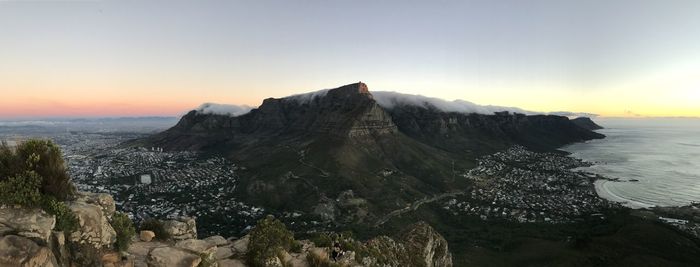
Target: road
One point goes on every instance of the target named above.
(415, 205)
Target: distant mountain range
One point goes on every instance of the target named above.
(304, 151)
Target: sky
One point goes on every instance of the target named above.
(153, 58)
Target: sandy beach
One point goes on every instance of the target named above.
(603, 191)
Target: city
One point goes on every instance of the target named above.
(525, 186)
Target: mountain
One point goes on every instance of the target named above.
(586, 123)
(342, 155)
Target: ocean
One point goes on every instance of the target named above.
(663, 155)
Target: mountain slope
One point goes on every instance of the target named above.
(303, 152)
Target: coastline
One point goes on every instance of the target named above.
(605, 193)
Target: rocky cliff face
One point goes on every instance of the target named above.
(487, 133)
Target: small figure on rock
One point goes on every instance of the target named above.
(336, 253)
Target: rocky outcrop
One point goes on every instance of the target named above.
(181, 228)
(18, 251)
(94, 229)
(29, 238)
(426, 246)
(30, 223)
(419, 245)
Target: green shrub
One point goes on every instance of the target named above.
(65, 218)
(322, 240)
(157, 227)
(268, 238)
(296, 247)
(125, 230)
(45, 158)
(22, 190)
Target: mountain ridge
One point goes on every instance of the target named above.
(304, 151)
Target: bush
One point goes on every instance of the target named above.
(9, 163)
(21, 190)
(296, 247)
(125, 230)
(322, 240)
(268, 238)
(65, 218)
(45, 158)
(156, 226)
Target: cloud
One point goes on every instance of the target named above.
(573, 114)
(308, 97)
(390, 100)
(223, 109)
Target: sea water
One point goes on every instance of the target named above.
(656, 160)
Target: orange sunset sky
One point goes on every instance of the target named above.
(163, 58)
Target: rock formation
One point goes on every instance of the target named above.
(28, 237)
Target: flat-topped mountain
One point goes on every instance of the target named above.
(342, 155)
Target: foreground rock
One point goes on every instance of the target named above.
(93, 212)
(31, 223)
(426, 246)
(146, 236)
(19, 251)
(28, 237)
(181, 228)
(419, 245)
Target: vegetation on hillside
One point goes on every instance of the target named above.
(267, 239)
(33, 175)
(125, 230)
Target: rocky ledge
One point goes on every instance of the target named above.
(28, 238)
(419, 245)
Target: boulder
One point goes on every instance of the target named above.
(18, 251)
(138, 251)
(104, 201)
(217, 240)
(204, 249)
(223, 253)
(196, 245)
(240, 246)
(426, 246)
(172, 257)
(57, 245)
(146, 236)
(31, 223)
(112, 258)
(181, 228)
(94, 229)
